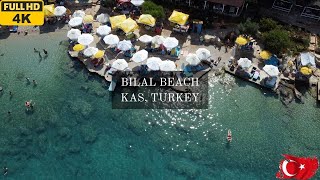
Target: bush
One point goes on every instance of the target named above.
(155, 10)
(268, 24)
(277, 40)
(249, 27)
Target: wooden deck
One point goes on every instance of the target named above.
(259, 82)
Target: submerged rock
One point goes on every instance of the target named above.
(184, 168)
(89, 134)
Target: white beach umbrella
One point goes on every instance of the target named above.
(307, 59)
(271, 70)
(120, 64)
(111, 39)
(124, 45)
(145, 38)
(168, 65)
(192, 59)
(244, 62)
(137, 2)
(79, 13)
(85, 39)
(90, 51)
(170, 42)
(59, 11)
(140, 56)
(76, 21)
(73, 34)
(103, 18)
(203, 54)
(103, 30)
(153, 63)
(158, 39)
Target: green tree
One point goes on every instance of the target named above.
(268, 24)
(277, 40)
(248, 27)
(155, 10)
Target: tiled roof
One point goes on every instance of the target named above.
(237, 3)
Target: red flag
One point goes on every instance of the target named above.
(300, 168)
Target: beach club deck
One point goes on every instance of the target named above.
(260, 81)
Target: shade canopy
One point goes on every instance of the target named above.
(168, 65)
(306, 71)
(244, 63)
(103, 18)
(265, 55)
(115, 21)
(78, 47)
(48, 10)
(170, 42)
(140, 56)
(76, 21)
(85, 39)
(203, 54)
(137, 2)
(60, 11)
(73, 34)
(120, 64)
(128, 25)
(145, 38)
(111, 39)
(124, 45)
(271, 70)
(103, 30)
(88, 19)
(307, 59)
(193, 59)
(147, 19)
(79, 13)
(241, 40)
(99, 54)
(153, 63)
(158, 39)
(178, 17)
(90, 51)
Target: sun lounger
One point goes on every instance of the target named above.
(256, 75)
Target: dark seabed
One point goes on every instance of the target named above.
(74, 134)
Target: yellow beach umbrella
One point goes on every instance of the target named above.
(265, 55)
(88, 19)
(178, 17)
(115, 21)
(129, 25)
(241, 40)
(78, 47)
(147, 19)
(48, 10)
(99, 54)
(306, 71)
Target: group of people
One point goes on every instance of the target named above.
(44, 51)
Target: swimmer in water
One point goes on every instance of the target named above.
(45, 51)
(34, 82)
(5, 171)
(40, 55)
(35, 50)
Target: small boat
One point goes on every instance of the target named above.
(229, 137)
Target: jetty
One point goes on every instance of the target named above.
(259, 81)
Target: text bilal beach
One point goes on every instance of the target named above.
(160, 97)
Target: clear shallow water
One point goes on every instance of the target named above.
(74, 134)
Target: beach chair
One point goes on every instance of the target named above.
(256, 75)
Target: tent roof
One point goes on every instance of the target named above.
(237, 3)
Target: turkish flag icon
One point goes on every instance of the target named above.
(300, 168)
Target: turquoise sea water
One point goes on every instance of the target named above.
(74, 134)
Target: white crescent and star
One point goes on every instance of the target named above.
(284, 168)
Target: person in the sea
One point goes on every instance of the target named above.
(34, 82)
(26, 33)
(45, 51)
(28, 79)
(5, 171)
(35, 50)
(11, 94)
(39, 54)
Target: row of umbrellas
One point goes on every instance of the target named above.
(51, 10)
(90, 51)
(79, 17)
(153, 63)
